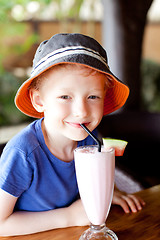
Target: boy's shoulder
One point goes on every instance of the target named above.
(27, 139)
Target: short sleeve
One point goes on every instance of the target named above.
(15, 171)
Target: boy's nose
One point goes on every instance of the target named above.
(80, 109)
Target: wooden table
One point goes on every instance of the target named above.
(143, 225)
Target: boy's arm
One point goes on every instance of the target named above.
(20, 223)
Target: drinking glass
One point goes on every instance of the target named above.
(95, 177)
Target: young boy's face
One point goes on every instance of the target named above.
(70, 96)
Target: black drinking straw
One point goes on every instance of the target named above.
(94, 137)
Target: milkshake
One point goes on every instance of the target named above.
(95, 177)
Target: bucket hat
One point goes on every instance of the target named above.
(72, 48)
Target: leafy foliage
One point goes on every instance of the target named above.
(9, 114)
(150, 86)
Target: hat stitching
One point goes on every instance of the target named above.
(63, 52)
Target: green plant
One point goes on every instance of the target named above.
(9, 114)
(150, 90)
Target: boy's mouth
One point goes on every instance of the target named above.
(77, 125)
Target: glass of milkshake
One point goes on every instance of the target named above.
(95, 177)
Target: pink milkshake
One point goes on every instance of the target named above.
(95, 177)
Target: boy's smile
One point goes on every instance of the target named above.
(77, 125)
(70, 96)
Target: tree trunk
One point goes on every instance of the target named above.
(123, 29)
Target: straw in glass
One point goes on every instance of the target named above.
(92, 135)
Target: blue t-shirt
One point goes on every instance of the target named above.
(29, 171)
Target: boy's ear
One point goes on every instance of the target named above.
(36, 100)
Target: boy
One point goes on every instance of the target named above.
(70, 84)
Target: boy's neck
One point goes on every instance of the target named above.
(60, 148)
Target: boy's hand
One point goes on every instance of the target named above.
(129, 202)
(77, 214)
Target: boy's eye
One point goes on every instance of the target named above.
(93, 97)
(65, 97)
